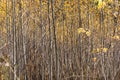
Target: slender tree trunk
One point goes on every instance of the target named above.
(55, 43)
(80, 39)
(14, 37)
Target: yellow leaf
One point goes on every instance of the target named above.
(98, 50)
(23, 4)
(81, 30)
(105, 49)
(94, 59)
(116, 37)
(101, 4)
(88, 33)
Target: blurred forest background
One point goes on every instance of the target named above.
(59, 40)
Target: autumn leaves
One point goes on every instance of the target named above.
(98, 50)
(82, 30)
(88, 33)
(2, 11)
(102, 3)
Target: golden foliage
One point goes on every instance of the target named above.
(98, 50)
(105, 50)
(94, 59)
(81, 30)
(2, 10)
(67, 3)
(23, 4)
(101, 4)
(116, 37)
(88, 33)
